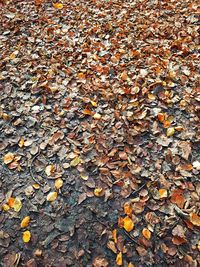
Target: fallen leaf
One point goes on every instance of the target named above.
(75, 162)
(38, 253)
(114, 234)
(146, 233)
(170, 131)
(177, 240)
(131, 264)
(21, 142)
(25, 222)
(128, 209)
(84, 176)
(98, 192)
(8, 158)
(161, 117)
(52, 196)
(119, 260)
(5, 207)
(49, 170)
(58, 183)
(58, 5)
(128, 224)
(100, 262)
(198, 246)
(26, 236)
(97, 116)
(111, 246)
(162, 193)
(178, 199)
(195, 219)
(17, 205)
(11, 201)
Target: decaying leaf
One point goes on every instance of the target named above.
(25, 222)
(75, 162)
(26, 236)
(52, 196)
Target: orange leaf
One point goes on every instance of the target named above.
(166, 124)
(81, 75)
(163, 193)
(128, 224)
(195, 219)
(178, 199)
(131, 264)
(119, 259)
(38, 2)
(124, 76)
(8, 158)
(11, 202)
(25, 222)
(161, 117)
(127, 209)
(98, 192)
(177, 240)
(58, 6)
(26, 236)
(49, 170)
(146, 233)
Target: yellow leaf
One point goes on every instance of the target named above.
(25, 222)
(17, 205)
(58, 6)
(52, 196)
(8, 158)
(26, 236)
(94, 103)
(170, 131)
(36, 186)
(128, 224)
(21, 142)
(98, 192)
(162, 193)
(114, 234)
(5, 207)
(146, 233)
(97, 116)
(198, 246)
(130, 264)
(75, 162)
(49, 170)
(58, 183)
(195, 219)
(119, 259)
(84, 176)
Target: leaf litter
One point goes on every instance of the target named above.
(99, 105)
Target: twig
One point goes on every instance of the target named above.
(142, 186)
(30, 169)
(131, 238)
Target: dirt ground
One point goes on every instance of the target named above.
(99, 133)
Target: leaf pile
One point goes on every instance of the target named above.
(99, 139)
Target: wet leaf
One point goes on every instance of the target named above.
(52, 196)
(25, 222)
(26, 236)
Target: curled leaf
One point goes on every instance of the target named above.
(52, 196)
(25, 222)
(128, 224)
(98, 192)
(26, 236)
